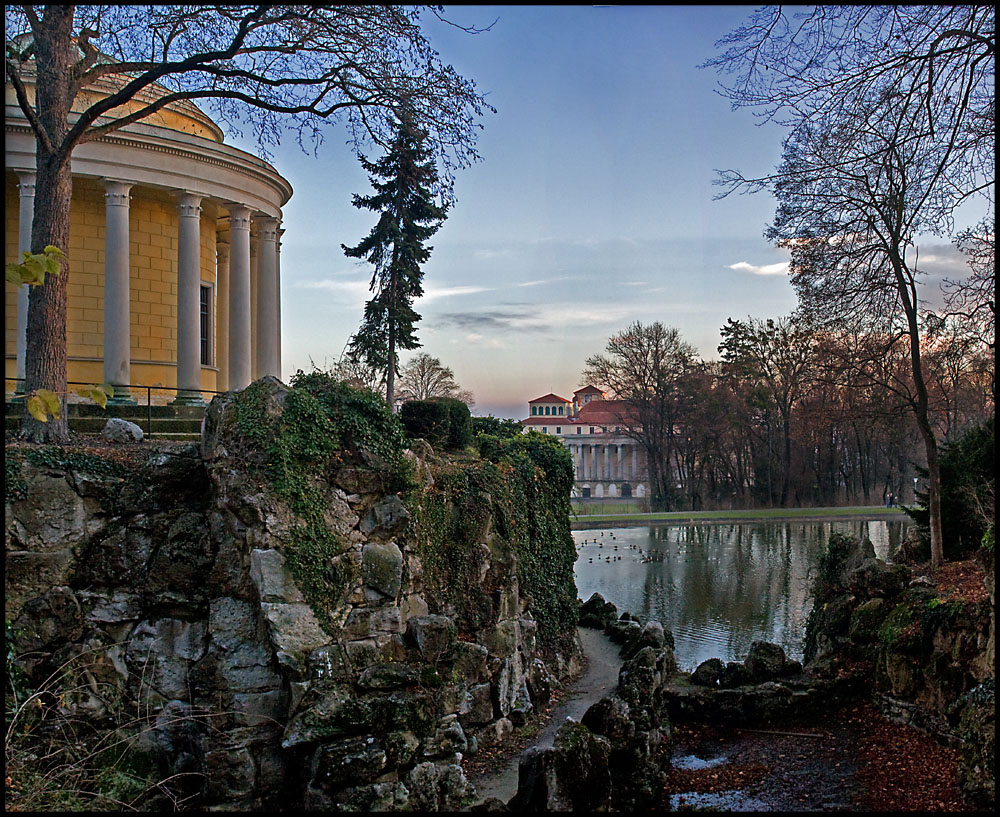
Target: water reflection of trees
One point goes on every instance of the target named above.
(721, 587)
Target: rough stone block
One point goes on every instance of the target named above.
(52, 516)
(31, 574)
(354, 760)
(47, 621)
(432, 635)
(273, 580)
(293, 628)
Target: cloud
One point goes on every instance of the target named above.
(356, 289)
(475, 339)
(781, 268)
(523, 317)
(433, 293)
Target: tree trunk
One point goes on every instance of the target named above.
(786, 457)
(920, 408)
(933, 490)
(390, 372)
(45, 355)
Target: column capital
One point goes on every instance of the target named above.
(116, 192)
(239, 216)
(189, 204)
(267, 228)
(26, 182)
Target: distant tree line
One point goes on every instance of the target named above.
(789, 416)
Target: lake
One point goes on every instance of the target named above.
(717, 587)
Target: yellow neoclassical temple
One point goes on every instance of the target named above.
(174, 255)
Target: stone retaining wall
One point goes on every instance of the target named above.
(166, 589)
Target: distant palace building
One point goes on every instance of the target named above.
(606, 461)
(174, 253)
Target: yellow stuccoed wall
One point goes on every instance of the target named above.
(153, 284)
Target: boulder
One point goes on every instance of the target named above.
(121, 431)
(765, 661)
(874, 578)
(570, 775)
(708, 673)
(651, 635)
(436, 786)
(597, 613)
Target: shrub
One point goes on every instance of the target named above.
(426, 419)
(459, 423)
(496, 427)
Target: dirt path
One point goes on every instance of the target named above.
(599, 679)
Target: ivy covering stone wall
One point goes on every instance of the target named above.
(311, 610)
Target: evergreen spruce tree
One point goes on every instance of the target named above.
(405, 181)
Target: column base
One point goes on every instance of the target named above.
(121, 397)
(187, 398)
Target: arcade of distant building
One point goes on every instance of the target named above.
(607, 463)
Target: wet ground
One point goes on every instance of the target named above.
(795, 768)
(853, 760)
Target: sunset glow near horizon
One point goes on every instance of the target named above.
(592, 208)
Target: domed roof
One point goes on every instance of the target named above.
(183, 115)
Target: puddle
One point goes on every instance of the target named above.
(733, 800)
(693, 763)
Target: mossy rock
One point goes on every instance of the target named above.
(867, 620)
(382, 567)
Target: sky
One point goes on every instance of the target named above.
(593, 206)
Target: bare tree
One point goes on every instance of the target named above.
(973, 300)
(648, 367)
(776, 357)
(891, 117)
(424, 377)
(355, 372)
(267, 67)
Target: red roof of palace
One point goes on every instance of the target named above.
(588, 390)
(550, 398)
(605, 413)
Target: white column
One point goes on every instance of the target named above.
(619, 467)
(268, 362)
(239, 296)
(277, 305)
(222, 316)
(189, 299)
(117, 354)
(26, 188)
(254, 314)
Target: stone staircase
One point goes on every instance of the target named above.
(172, 423)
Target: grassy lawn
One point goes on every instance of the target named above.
(586, 514)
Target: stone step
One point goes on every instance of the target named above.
(160, 429)
(126, 412)
(93, 425)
